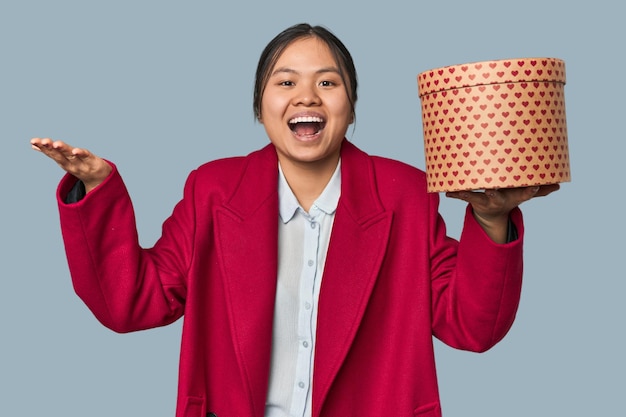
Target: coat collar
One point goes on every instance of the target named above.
(247, 235)
(260, 178)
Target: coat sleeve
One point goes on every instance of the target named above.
(476, 284)
(126, 287)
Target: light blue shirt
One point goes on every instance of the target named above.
(303, 240)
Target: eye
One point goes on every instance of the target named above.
(327, 83)
(286, 83)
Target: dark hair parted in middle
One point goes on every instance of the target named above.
(275, 48)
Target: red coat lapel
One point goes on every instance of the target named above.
(247, 245)
(357, 247)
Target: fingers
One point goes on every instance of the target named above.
(78, 162)
(486, 197)
(492, 205)
(544, 190)
(524, 194)
(520, 195)
(503, 197)
(59, 151)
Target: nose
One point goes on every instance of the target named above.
(306, 95)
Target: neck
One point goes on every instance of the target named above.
(308, 180)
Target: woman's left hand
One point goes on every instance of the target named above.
(492, 207)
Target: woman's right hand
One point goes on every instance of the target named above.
(87, 167)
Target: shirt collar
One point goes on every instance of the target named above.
(326, 202)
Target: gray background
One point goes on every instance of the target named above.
(160, 87)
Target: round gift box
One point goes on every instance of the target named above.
(495, 124)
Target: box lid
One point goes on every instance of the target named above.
(501, 71)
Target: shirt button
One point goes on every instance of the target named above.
(305, 344)
(307, 306)
(301, 384)
(310, 263)
(313, 225)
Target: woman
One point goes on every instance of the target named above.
(312, 276)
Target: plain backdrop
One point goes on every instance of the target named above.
(160, 87)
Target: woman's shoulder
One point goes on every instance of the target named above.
(384, 165)
(396, 166)
(226, 173)
(233, 164)
(393, 178)
(396, 172)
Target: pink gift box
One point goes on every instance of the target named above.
(495, 124)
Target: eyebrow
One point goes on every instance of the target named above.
(293, 71)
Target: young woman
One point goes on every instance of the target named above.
(312, 276)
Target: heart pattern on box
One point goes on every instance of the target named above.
(495, 124)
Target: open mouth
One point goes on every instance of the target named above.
(306, 125)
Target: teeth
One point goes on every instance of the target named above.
(306, 119)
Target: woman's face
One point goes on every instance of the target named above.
(305, 108)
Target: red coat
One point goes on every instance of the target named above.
(392, 280)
